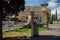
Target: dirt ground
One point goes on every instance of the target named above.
(46, 32)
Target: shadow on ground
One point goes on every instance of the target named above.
(43, 37)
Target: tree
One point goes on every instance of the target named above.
(56, 15)
(13, 6)
(7, 7)
(53, 17)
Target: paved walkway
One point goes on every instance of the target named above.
(54, 26)
(50, 32)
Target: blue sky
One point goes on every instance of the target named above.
(35, 2)
(52, 4)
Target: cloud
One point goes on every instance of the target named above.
(53, 0)
(54, 11)
(52, 4)
(58, 10)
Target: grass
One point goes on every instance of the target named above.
(20, 32)
(24, 30)
(42, 28)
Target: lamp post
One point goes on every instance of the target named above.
(34, 25)
(47, 21)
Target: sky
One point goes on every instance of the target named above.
(52, 4)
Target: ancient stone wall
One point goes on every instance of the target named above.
(43, 10)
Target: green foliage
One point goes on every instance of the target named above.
(42, 28)
(14, 19)
(54, 17)
(8, 18)
(58, 19)
(11, 7)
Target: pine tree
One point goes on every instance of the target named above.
(56, 14)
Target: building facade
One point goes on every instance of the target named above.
(42, 11)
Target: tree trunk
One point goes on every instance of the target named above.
(0, 28)
(1, 19)
(0, 25)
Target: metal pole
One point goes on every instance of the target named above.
(35, 32)
(47, 21)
